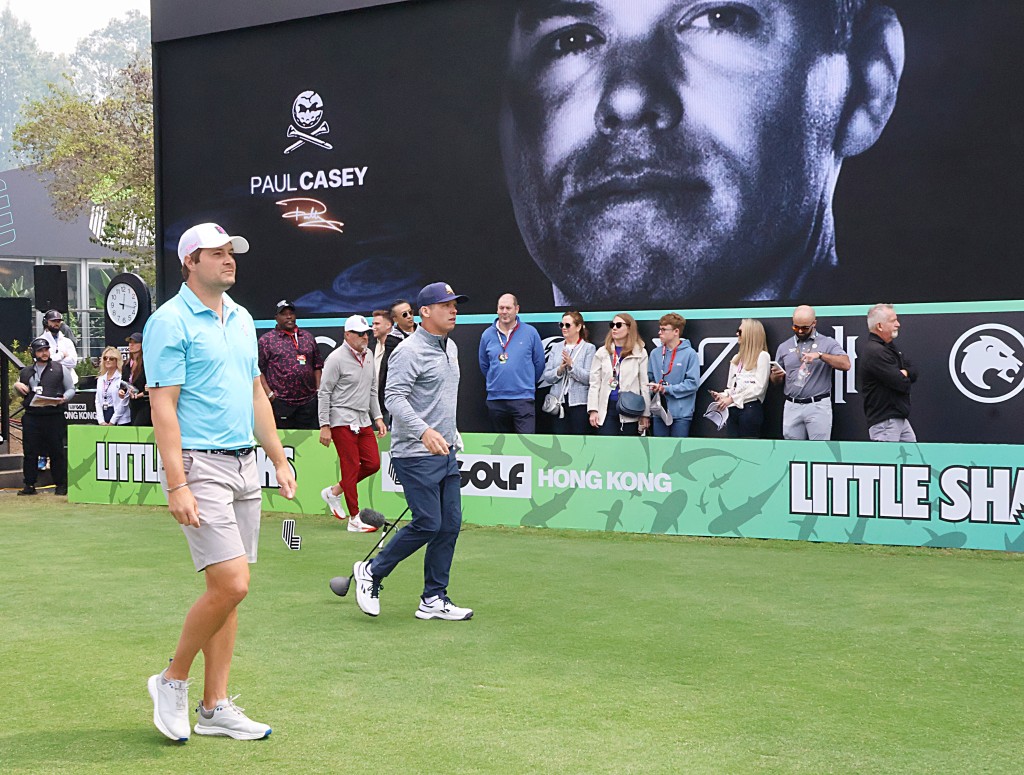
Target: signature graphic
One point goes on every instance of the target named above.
(309, 214)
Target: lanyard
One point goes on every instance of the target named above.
(616, 362)
(293, 338)
(360, 360)
(508, 341)
(671, 363)
(107, 382)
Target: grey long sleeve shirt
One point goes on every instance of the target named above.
(348, 390)
(422, 391)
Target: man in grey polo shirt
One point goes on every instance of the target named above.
(421, 394)
(208, 401)
(807, 363)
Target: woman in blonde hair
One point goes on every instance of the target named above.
(748, 382)
(111, 408)
(620, 366)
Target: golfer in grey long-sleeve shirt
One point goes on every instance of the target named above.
(421, 394)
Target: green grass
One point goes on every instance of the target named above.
(589, 653)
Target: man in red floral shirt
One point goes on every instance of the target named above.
(290, 365)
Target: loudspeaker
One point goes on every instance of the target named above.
(16, 321)
(51, 287)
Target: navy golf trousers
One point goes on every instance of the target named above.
(432, 490)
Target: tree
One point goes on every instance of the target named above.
(99, 151)
(25, 72)
(99, 55)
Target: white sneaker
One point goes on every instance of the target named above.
(442, 608)
(367, 592)
(229, 720)
(333, 503)
(170, 706)
(356, 525)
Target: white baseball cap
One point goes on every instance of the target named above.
(357, 324)
(208, 235)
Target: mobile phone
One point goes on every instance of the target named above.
(774, 364)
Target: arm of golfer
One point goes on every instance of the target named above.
(164, 404)
(266, 434)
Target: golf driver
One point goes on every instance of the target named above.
(340, 584)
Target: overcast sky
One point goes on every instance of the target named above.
(59, 24)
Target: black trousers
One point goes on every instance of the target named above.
(302, 417)
(575, 422)
(44, 434)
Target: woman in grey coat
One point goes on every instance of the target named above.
(568, 372)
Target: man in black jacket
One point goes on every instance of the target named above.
(49, 386)
(404, 325)
(886, 377)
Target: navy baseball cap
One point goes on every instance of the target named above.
(438, 293)
(39, 344)
(134, 337)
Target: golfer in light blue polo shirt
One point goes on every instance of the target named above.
(208, 405)
(185, 338)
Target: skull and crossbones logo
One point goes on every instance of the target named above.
(307, 112)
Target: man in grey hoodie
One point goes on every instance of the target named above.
(421, 394)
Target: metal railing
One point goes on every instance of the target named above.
(6, 357)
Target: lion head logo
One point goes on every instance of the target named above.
(985, 355)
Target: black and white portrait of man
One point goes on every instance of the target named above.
(674, 152)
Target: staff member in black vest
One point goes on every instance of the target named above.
(44, 425)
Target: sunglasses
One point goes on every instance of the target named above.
(802, 328)
(566, 325)
(407, 313)
(360, 333)
(109, 358)
(618, 324)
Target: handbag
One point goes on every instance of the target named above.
(553, 401)
(630, 404)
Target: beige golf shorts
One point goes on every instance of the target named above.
(227, 490)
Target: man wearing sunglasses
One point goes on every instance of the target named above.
(349, 415)
(807, 363)
(403, 326)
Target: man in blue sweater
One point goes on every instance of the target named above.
(512, 362)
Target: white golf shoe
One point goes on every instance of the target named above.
(367, 592)
(442, 608)
(229, 720)
(170, 706)
(333, 503)
(356, 525)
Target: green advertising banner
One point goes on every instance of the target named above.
(945, 495)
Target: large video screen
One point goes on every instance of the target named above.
(608, 154)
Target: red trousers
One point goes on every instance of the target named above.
(359, 458)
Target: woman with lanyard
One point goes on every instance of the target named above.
(674, 374)
(568, 371)
(619, 367)
(111, 406)
(747, 383)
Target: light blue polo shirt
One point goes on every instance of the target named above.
(184, 343)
